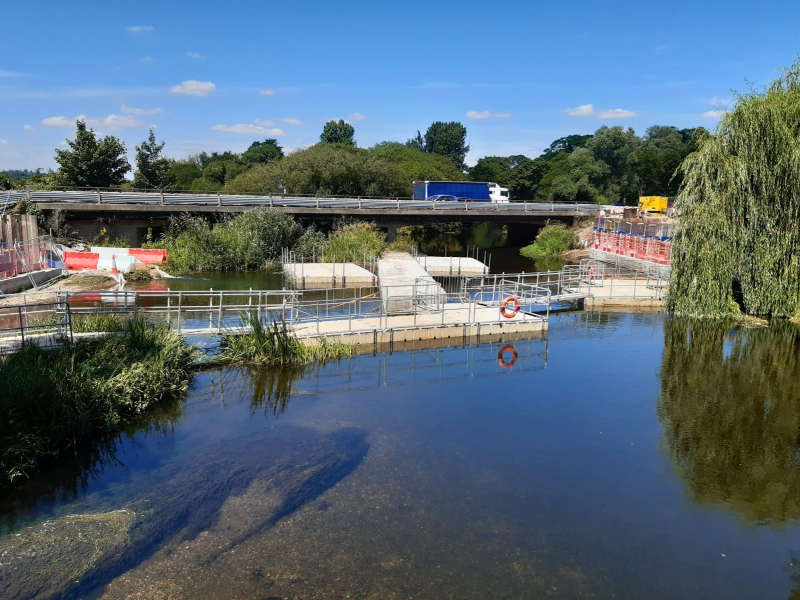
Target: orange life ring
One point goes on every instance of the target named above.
(501, 361)
(506, 302)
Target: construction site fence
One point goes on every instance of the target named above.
(20, 258)
(661, 231)
(648, 249)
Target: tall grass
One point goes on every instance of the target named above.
(551, 241)
(54, 399)
(351, 239)
(273, 344)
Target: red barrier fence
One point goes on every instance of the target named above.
(634, 246)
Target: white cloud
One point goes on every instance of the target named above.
(28, 128)
(588, 110)
(193, 88)
(292, 121)
(146, 59)
(474, 114)
(714, 114)
(247, 129)
(195, 55)
(264, 122)
(616, 113)
(112, 121)
(4, 73)
(140, 28)
(356, 117)
(4, 142)
(267, 92)
(130, 110)
(584, 110)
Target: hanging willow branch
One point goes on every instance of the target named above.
(739, 208)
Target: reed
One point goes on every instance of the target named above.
(53, 400)
(273, 344)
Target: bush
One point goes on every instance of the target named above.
(552, 240)
(54, 399)
(251, 240)
(351, 239)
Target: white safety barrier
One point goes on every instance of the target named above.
(125, 264)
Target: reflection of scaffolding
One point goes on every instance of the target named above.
(271, 390)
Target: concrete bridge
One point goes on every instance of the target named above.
(131, 213)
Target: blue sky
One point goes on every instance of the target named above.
(216, 76)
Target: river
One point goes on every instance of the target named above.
(626, 456)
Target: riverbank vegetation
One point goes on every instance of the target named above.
(552, 241)
(737, 241)
(274, 345)
(54, 399)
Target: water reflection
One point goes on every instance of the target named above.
(730, 407)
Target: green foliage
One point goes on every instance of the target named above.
(311, 243)
(338, 132)
(26, 207)
(496, 169)
(183, 173)
(416, 165)
(251, 240)
(324, 169)
(552, 240)
(53, 400)
(91, 162)
(260, 153)
(138, 275)
(448, 140)
(731, 416)
(351, 239)
(153, 171)
(737, 237)
(108, 322)
(272, 344)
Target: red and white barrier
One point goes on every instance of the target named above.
(634, 246)
(147, 256)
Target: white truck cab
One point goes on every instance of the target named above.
(497, 193)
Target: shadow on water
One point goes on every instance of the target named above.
(282, 469)
(730, 408)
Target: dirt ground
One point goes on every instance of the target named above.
(89, 280)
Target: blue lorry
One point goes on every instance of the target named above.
(461, 191)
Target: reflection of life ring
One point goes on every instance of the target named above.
(501, 361)
(510, 300)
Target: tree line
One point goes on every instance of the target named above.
(610, 166)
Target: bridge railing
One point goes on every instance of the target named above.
(222, 198)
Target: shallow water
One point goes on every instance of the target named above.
(626, 456)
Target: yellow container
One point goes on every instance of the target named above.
(653, 205)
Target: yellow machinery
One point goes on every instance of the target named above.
(653, 205)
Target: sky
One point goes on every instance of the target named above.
(217, 76)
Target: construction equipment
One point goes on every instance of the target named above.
(653, 205)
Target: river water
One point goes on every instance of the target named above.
(626, 456)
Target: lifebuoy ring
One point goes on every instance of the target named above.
(510, 300)
(501, 360)
(590, 271)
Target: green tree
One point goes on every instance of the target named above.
(152, 170)
(338, 132)
(526, 176)
(737, 237)
(415, 164)
(260, 153)
(617, 147)
(417, 142)
(183, 173)
(448, 139)
(325, 169)
(90, 162)
(492, 168)
(567, 144)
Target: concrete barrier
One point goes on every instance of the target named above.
(125, 264)
(147, 256)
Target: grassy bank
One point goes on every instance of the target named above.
(52, 400)
(551, 241)
(274, 345)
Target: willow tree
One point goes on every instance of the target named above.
(738, 235)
